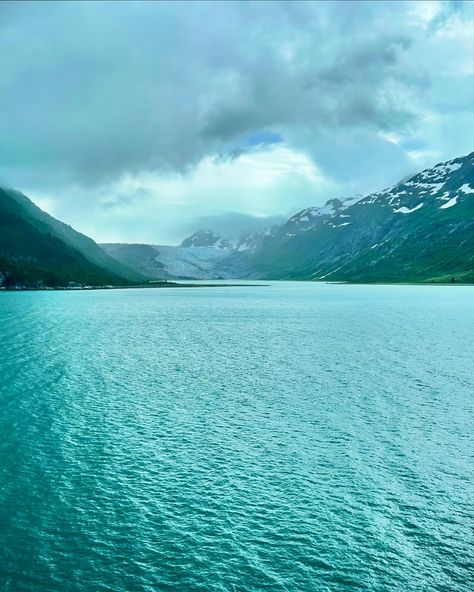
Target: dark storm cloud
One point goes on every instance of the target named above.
(92, 90)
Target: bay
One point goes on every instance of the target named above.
(290, 437)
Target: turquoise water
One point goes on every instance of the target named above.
(297, 437)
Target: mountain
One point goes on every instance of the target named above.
(251, 241)
(36, 249)
(421, 229)
(203, 255)
(206, 238)
(198, 259)
(311, 218)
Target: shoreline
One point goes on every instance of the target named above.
(126, 287)
(160, 285)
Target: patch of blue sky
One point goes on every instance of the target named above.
(264, 137)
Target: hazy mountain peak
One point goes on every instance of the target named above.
(206, 238)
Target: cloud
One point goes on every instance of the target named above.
(94, 93)
(265, 183)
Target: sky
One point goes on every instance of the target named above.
(145, 121)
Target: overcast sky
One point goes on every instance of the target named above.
(141, 122)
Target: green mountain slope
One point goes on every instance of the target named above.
(419, 230)
(37, 249)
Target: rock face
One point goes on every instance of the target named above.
(38, 250)
(421, 229)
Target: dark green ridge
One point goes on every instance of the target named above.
(36, 249)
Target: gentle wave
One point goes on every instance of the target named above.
(300, 437)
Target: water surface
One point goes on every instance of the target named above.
(297, 437)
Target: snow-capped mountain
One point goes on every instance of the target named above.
(420, 229)
(203, 255)
(169, 262)
(251, 241)
(439, 187)
(309, 218)
(206, 238)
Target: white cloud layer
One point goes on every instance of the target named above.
(153, 206)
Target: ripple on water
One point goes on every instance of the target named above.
(296, 438)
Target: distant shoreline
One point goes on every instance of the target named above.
(125, 287)
(267, 283)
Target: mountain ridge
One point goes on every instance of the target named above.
(36, 249)
(420, 229)
(390, 235)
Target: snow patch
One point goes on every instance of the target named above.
(436, 187)
(338, 225)
(441, 169)
(433, 187)
(452, 202)
(405, 210)
(330, 273)
(451, 167)
(326, 210)
(466, 189)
